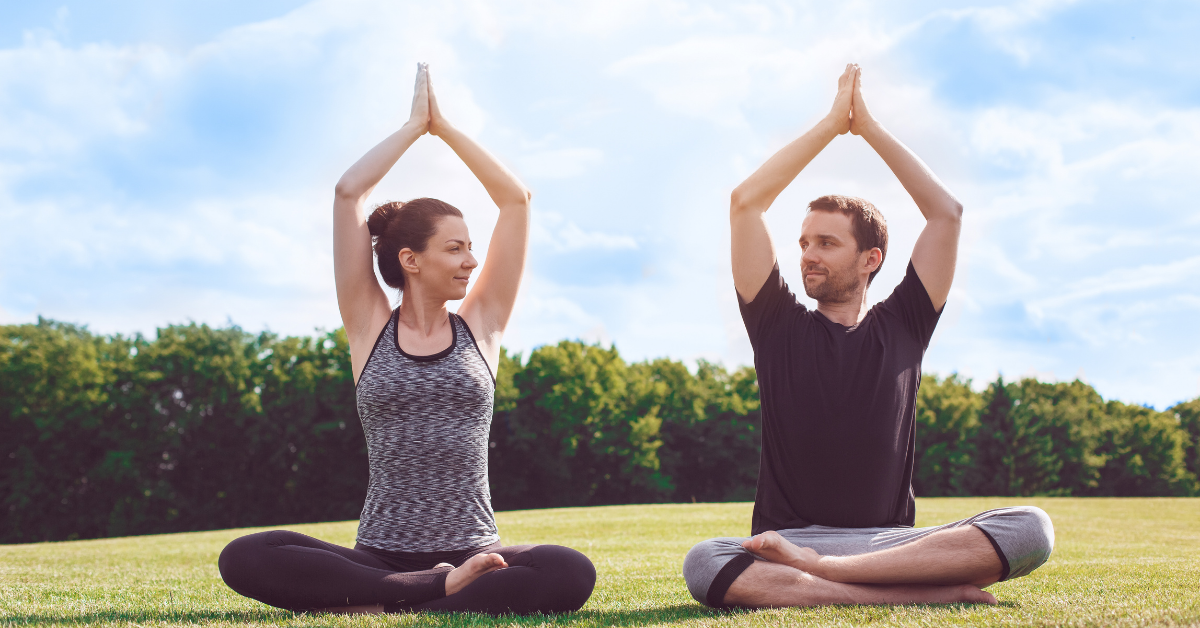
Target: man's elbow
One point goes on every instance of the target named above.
(951, 213)
(524, 198)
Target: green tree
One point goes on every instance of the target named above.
(572, 436)
(53, 395)
(1144, 452)
(947, 414)
(1013, 451)
(710, 430)
(1070, 415)
(1187, 413)
(202, 427)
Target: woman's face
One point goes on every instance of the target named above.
(446, 263)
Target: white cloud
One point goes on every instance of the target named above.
(550, 230)
(117, 210)
(57, 100)
(563, 163)
(1152, 276)
(1004, 23)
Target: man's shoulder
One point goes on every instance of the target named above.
(908, 307)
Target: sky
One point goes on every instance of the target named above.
(167, 162)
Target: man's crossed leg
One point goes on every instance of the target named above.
(821, 565)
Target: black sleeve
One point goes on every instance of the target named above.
(910, 303)
(773, 299)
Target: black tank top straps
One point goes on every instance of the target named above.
(427, 420)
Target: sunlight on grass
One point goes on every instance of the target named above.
(1117, 562)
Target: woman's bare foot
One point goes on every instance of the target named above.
(475, 566)
(773, 547)
(369, 609)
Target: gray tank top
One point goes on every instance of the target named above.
(427, 419)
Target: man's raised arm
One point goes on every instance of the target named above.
(936, 251)
(753, 251)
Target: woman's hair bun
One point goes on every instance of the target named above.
(396, 226)
(377, 222)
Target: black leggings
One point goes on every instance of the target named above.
(297, 572)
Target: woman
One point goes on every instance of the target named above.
(424, 380)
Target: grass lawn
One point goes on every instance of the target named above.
(1117, 562)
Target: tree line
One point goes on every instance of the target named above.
(204, 428)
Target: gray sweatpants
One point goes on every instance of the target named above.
(1023, 537)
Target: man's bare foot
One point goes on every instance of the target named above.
(972, 594)
(771, 546)
(475, 566)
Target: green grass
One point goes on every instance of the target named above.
(1118, 562)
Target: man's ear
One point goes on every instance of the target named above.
(874, 259)
(408, 260)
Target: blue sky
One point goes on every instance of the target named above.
(162, 162)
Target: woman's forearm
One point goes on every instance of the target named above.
(358, 181)
(501, 184)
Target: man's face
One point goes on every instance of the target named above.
(831, 258)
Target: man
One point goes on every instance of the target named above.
(834, 509)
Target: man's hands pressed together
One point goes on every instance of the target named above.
(840, 114)
(860, 117)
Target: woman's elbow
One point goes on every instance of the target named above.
(738, 201)
(348, 190)
(343, 191)
(519, 201)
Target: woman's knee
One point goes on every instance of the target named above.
(568, 571)
(243, 557)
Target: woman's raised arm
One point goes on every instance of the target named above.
(489, 305)
(363, 304)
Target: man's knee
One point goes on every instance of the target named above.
(1039, 529)
(1024, 536)
(704, 568)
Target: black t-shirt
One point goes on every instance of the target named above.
(838, 405)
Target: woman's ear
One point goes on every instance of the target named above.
(408, 260)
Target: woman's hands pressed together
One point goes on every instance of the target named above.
(426, 117)
(437, 122)
(419, 118)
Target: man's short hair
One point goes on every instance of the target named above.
(866, 222)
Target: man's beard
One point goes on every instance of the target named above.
(836, 288)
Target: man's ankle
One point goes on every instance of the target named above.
(825, 567)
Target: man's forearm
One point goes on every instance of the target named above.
(931, 196)
(760, 190)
